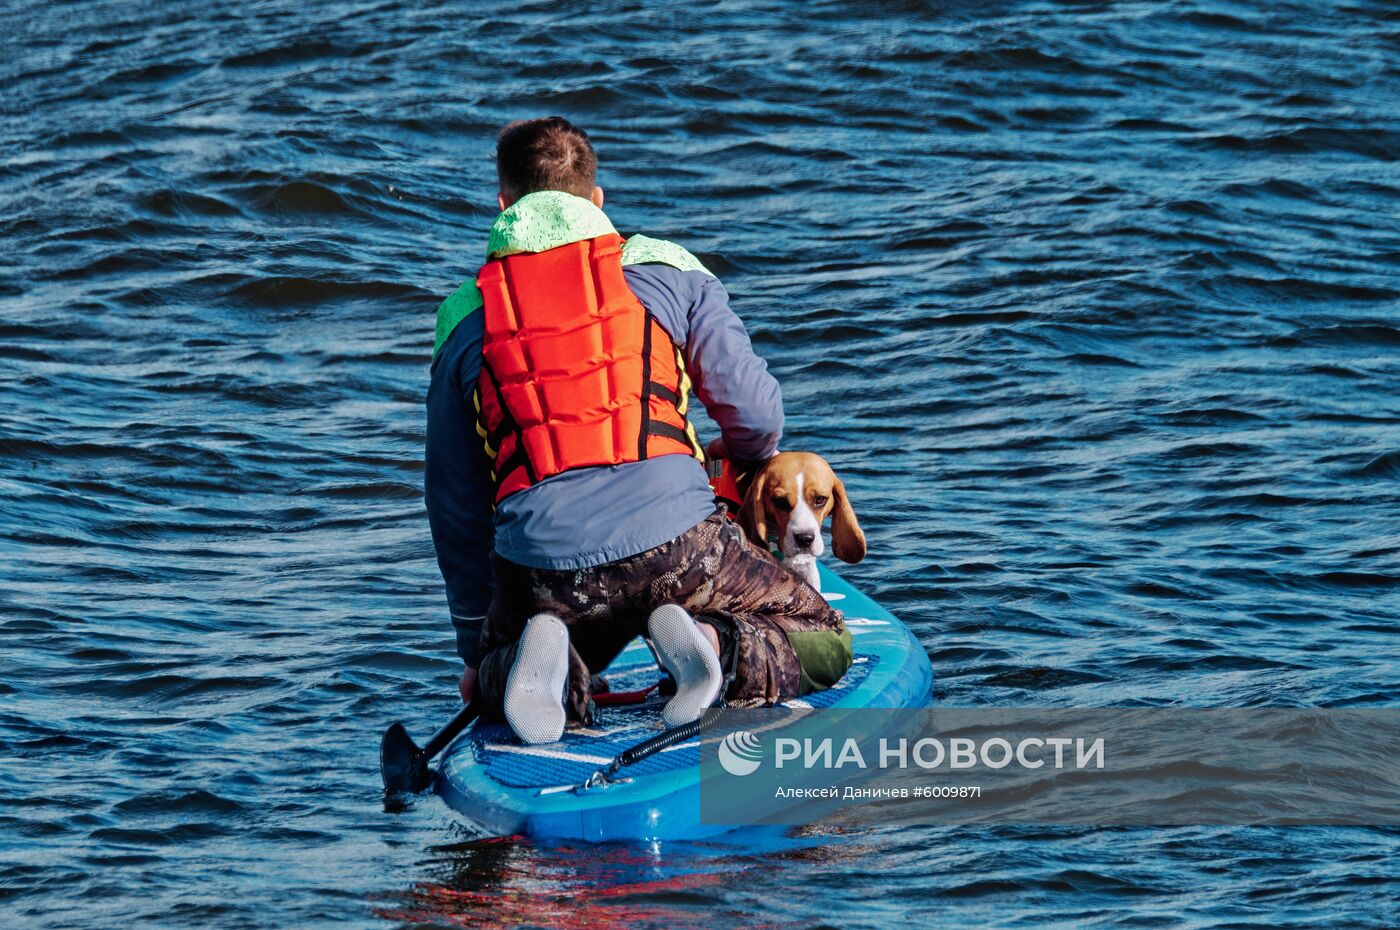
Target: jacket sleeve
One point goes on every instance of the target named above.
(457, 485)
(731, 381)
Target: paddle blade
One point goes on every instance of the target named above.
(401, 762)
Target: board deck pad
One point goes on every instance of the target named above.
(504, 786)
(582, 752)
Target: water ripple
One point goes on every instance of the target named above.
(1094, 306)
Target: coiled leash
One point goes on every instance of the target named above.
(608, 775)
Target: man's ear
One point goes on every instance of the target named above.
(503, 202)
(847, 539)
(753, 515)
(597, 197)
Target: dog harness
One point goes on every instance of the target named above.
(575, 372)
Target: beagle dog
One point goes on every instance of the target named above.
(791, 495)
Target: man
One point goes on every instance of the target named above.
(557, 436)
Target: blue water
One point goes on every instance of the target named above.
(1095, 306)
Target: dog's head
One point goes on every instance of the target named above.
(792, 494)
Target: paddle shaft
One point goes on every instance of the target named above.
(449, 732)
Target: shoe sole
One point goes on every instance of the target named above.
(534, 699)
(688, 656)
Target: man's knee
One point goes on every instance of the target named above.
(823, 656)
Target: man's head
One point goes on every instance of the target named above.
(546, 154)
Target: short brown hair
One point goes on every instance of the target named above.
(546, 154)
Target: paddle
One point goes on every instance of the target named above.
(403, 765)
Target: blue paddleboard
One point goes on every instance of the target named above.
(507, 788)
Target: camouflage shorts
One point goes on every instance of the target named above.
(778, 636)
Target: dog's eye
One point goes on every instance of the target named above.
(783, 504)
(818, 500)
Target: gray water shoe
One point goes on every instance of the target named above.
(684, 651)
(534, 700)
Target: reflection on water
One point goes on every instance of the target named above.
(512, 881)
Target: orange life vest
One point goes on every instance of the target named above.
(575, 373)
(724, 481)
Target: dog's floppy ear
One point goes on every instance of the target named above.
(753, 515)
(847, 540)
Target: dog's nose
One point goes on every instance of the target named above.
(804, 540)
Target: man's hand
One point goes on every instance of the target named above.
(466, 685)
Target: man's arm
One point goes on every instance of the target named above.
(458, 488)
(731, 381)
